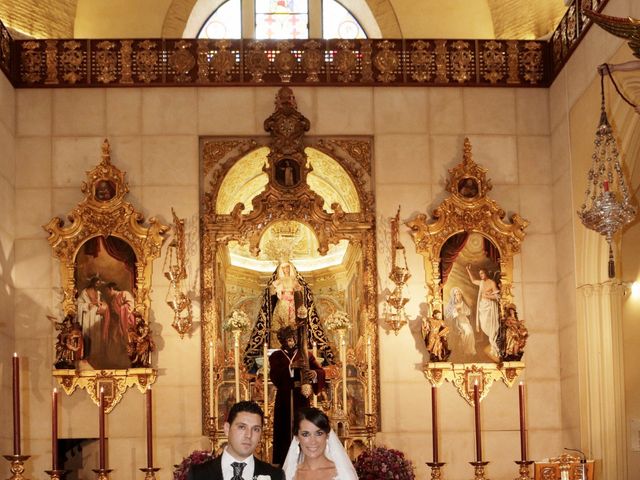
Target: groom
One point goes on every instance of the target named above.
(243, 428)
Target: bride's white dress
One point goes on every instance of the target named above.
(334, 451)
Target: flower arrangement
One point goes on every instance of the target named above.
(338, 320)
(237, 321)
(381, 463)
(195, 458)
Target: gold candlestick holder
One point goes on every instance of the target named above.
(102, 473)
(150, 472)
(523, 473)
(371, 430)
(266, 435)
(56, 474)
(478, 470)
(212, 426)
(436, 470)
(17, 466)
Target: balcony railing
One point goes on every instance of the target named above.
(385, 62)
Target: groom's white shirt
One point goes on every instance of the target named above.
(227, 469)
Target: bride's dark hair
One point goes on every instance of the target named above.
(313, 415)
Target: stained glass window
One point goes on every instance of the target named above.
(282, 19)
(224, 22)
(338, 22)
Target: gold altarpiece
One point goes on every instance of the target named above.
(467, 215)
(316, 194)
(101, 225)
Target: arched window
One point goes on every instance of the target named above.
(278, 19)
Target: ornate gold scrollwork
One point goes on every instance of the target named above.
(106, 62)
(461, 58)
(284, 61)
(467, 210)
(312, 60)
(420, 61)
(386, 60)
(182, 61)
(104, 213)
(223, 61)
(531, 59)
(345, 60)
(146, 60)
(493, 61)
(257, 61)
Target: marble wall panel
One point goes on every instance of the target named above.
(489, 111)
(34, 112)
(400, 110)
(33, 168)
(532, 111)
(79, 112)
(169, 111)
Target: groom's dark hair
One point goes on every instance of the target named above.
(244, 406)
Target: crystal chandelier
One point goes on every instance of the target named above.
(176, 273)
(395, 316)
(607, 206)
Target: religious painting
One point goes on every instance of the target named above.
(356, 398)
(470, 274)
(105, 279)
(106, 254)
(468, 251)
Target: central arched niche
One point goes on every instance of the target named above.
(323, 208)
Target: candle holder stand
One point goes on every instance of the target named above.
(436, 470)
(523, 473)
(212, 424)
(371, 430)
(478, 470)
(150, 472)
(102, 473)
(17, 466)
(56, 474)
(266, 435)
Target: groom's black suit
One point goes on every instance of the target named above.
(212, 470)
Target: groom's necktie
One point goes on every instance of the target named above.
(237, 470)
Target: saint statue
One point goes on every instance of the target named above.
(285, 296)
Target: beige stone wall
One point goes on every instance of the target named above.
(418, 136)
(7, 194)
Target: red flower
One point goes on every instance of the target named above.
(381, 463)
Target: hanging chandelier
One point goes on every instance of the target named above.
(607, 208)
(395, 316)
(175, 270)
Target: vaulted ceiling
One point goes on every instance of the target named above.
(516, 19)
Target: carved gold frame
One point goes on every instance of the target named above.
(93, 217)
(469, 213)
(275, 203)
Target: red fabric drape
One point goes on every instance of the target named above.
(116, 248)
(491, 251)
(450, 251)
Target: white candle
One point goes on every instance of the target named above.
(265, 375)
(315, 355)
(369, 377)
(236, 362)
(211, 379)
(343, 348)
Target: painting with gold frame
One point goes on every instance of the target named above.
(287, 199)
(468, 252)
(106, 255)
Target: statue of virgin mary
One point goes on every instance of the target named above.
(286, 300)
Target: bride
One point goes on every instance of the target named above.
(316, 452)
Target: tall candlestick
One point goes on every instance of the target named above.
(434, 422)
(101, 429)
(369, 377)
(236, 361)
(149, 428)
(16, 404)
(211, 402)
(265, 377)
(315, 355)
(343, 354)
(476, 400)
(523, 428)
(54, 429)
